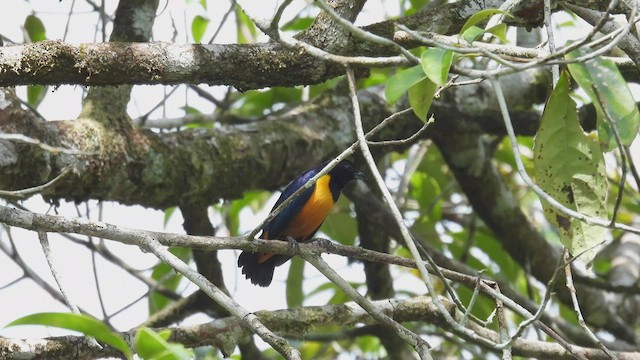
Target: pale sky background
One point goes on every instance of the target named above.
(74, 262)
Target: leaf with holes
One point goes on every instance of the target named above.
(570, 167)
(614, 103)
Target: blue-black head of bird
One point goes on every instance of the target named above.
(300, 219)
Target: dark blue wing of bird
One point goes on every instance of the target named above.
(300, 219)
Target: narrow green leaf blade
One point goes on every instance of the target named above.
(35, 95)
(82, 323)
(198, 27)
(436, 63)
(35, 28)
(421, 97)
(570, 167)
(246, 29)
(399, 83)
(295, 293)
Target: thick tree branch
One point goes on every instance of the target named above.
(293, 323)
(244, 66)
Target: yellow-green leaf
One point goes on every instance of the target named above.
(198, 27)
(570, 167)
(153, 346)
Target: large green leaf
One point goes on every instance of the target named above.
(151, 345)
(603, 83)
(402, 81)
(82, 323)
(570, 167)
(436, 63)
(421, 97)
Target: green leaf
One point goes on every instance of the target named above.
(421, 96)
(35, 95)
(153, 346)
(436, 63)
(472, 34)
(168, 278)
(416, 5)
(198, 27)
(203, 3)
(480, 16)
(82, 323)
(295, 293)
(399, 83)
(167, 215)
(245, 28)
(614, 103)
(570, 167)
(253, 199)
(35, 28)
(298, 24)
(499, 31)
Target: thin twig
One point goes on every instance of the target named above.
(251, 320)
(52, 149)
(576, 306)
(46, 249)
(36, 189)
(419, 344)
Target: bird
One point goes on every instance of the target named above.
(300, 219)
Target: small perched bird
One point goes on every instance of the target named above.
(300, 219)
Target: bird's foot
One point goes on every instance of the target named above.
(293, 245)
(323, 243)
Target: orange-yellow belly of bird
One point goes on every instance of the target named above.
(314, 211)
(310, 216)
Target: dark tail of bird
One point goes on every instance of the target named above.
(260, 273)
